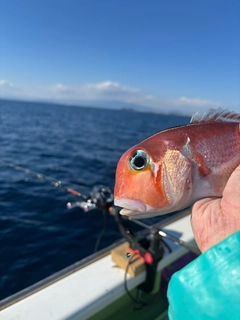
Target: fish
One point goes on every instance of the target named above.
(174, 168)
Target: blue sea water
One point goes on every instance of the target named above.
(81, 146)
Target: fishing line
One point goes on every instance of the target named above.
(55, 183)
(59, 184)
(102, 231)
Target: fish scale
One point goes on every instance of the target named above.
(220, 148)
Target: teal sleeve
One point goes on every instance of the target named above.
(208, 287)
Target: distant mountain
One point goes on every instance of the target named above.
(108, 104)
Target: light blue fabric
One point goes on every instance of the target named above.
(209, 287)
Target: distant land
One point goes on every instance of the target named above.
(103, 104)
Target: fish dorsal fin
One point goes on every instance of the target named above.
(218, 115)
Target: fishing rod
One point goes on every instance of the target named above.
(56, 183)
(165, 235)
(99, 198)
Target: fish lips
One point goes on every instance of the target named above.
(130, 206)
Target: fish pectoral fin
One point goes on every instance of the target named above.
(202, 167)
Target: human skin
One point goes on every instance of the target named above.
(215, 219)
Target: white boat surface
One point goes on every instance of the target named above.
(85, 290)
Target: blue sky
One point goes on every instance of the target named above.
(179, 55)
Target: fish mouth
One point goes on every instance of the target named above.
(130, 206)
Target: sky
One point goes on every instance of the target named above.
(175, 55)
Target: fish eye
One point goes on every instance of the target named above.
(139, 160)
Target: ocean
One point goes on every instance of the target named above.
(79, 146)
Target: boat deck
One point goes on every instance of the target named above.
(82, 294)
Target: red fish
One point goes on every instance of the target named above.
(172, 169)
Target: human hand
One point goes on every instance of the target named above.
(215, 219)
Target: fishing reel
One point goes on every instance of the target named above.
(147, 245)
(99, 198)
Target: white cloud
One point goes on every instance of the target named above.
(62, 89)
(8, 89)
(90, 89)
(109, 87)
(197, 102)
(189, 105)
(4, 84)
(109, 91)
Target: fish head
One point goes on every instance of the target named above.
(152, 182)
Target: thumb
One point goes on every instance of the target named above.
(231, 193)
